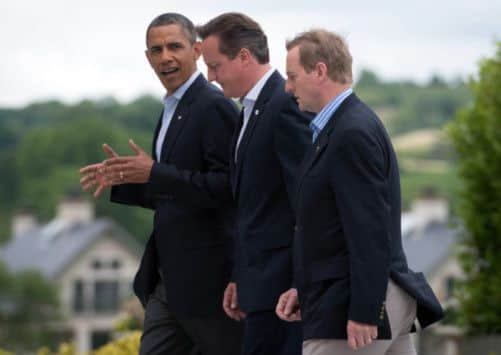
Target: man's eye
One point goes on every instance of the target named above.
(175, 46)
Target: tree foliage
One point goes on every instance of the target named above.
(28, 302)
(476, 133)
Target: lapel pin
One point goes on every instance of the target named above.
(179, 117)
(256, 112)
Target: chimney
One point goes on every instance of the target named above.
(75, 209)
(23, 222)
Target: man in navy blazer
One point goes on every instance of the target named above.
(267, 148)
(355, 289)
(186, 263)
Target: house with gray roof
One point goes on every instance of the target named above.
(430, 242)
(93, 262)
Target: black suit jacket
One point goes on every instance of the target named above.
(348, 239)
(263, 182)
(189, 190)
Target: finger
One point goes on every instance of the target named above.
(226, 299)
(367, 339)
(89, 185)
(116, 161)
(351, 342)
(89, 168)
(99, 190)
(279, 309)
(359, 338)
(241, 315)
(86, 179)
(109, 151)
(374, 333)
(234, 299)
(135, 147)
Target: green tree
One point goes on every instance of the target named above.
(476, 134)
(28, 303)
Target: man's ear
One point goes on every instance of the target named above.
(321, 70)
(197, 49)
(244, 55)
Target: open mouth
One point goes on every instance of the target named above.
(169, 71)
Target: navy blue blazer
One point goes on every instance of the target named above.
(348, 240)
(189, 189)
(263, 182)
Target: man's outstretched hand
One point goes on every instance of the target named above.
(117, 170)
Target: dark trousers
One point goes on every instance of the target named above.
(166, 334)
(266, 334)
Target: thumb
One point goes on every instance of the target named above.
(109, 151)
(290, 304)
(234, 299)
(135, 147)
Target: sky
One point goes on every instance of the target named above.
(73, 50)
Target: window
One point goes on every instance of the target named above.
(116, 264)
(78, 296)
(106, 296)
(96, 264)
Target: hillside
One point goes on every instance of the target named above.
(43, 144)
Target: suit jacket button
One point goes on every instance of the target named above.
(295, 228)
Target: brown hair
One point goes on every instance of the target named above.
(323, 46)
(236, 31)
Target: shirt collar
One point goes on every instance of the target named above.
(323, 117)
(180, 91)
(253, 94)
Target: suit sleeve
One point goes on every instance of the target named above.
(132, 194)
(359, 182)
(211, 187)
(291, 138)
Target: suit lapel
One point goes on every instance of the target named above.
(181, 116)
(234, 140)
(318, 147)
(258, 110)
(155, 136)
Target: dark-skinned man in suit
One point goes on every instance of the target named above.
(186, 264)
(267, 148)
(356, 292)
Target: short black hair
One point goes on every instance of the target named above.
(172, 18)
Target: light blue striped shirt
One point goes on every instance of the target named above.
(324, 116)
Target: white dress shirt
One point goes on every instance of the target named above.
(248, 103)
(170, 105)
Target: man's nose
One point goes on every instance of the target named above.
(288, 87)
(166, 55)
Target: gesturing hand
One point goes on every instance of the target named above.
(288, 306)
(230, 302)
(360, 334)
(129, 169)
(94, 175)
